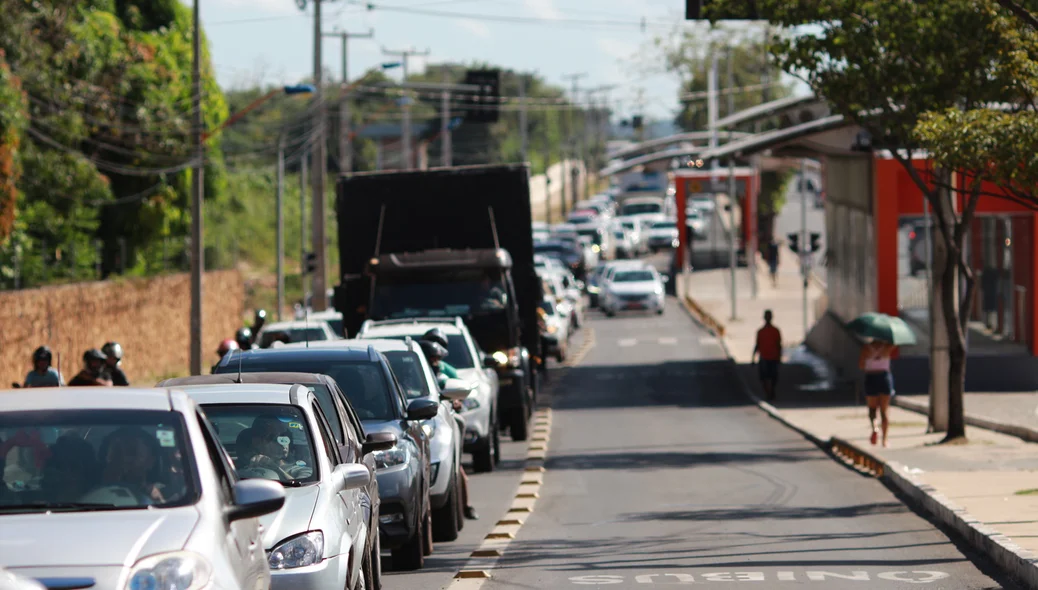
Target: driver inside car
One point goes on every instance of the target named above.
(129, 458)
(273, 440)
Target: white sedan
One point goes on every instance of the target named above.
(633, 289)
(662, 235)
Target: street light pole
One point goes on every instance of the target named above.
(320, 163)
(447, 145)
(523, 131)
(345, 140)
(197, 191)
(405, 56)
(804, 251)
(280, 206)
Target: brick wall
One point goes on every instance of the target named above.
(149, 317)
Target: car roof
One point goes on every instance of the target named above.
(264, 377)
(87, 398)
(243, 393)
(294, 324)
(411, 329)
(643, 200)
(291, 353)
(379, 344)
(328, 313)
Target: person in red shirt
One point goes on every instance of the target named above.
(769, 348)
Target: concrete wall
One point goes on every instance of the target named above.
(149, 317)
(539, 190)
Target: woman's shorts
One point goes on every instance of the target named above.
(879, 383)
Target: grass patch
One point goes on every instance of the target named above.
(1027, 492)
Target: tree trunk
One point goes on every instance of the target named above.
(949, 308)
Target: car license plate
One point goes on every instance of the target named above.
(505, 382)
(635, 306)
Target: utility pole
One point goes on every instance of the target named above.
(805, 253)
(730, 81)
(732, 258)
(711, 109)
(447, 149)
(765, 78)
(197, 190)
(523, 131)
(345, 141)
(318, 282)
(405, 56)
(303, 182)
(571, 135)
(280, 207)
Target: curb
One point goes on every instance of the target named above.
(1014, 560)
(1022, 432)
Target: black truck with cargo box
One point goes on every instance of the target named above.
(448, 242)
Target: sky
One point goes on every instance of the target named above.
(609, 41)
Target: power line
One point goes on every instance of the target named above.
(640, 24)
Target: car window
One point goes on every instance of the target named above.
(266, 441)
(457, 350)
(632, 276)
(408, 370)
(77, 460)
(324, 398)
(218, 456)
(326, 436)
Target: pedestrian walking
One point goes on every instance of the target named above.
(874, 361)
(773, 260)
(769, 349)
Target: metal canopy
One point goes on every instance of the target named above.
(624, 166)
(804, 140)
(652, 144)
(769, 109)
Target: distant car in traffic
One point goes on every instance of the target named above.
(635, 227)
(695, 222)
(558, 326)
(663, 235)
(633, 289)
(295, 331)
(642, 206)
(567, 254)
(127, 488)
(625, 247)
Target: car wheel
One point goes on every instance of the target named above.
(610, 313)
(427, 536)
(445, 519)
(483, 459)
(497, 444)
(375, 563)
(659, 311)
(518, 425)
(460, 500)
(411, 555)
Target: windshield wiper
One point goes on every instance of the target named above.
(34, 506)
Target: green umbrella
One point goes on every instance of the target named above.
(883, 327)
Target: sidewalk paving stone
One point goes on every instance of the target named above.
(1020, 408)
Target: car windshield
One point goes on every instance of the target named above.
(457, 349)
(642, 208)
(408, 370)
(292, 335)
(363, 382)
(628, 224)
(664, 225)
(266, 441)
(449, 294)
(619, 234)
(554, 250)
(595, 234)
(548, 307)
(80, 460)
(632, 276)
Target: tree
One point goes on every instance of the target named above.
(688, 55)
(885, 65)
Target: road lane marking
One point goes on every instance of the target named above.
(627, 342)
(668, 340)
(708, 340)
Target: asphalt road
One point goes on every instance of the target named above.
(660, 471)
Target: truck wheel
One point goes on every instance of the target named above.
(445, 519)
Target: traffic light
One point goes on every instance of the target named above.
(699, 10)
(794, 242)
(483, 105)
(815, 237)
(310, 265)
(637, 122)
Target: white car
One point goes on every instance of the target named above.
(695, 221)
(636, 229)
(662, 235)
(127, 488)
(632, 289)
(295, 331)
(482, 437)
(279, 433)
(637, 206)
(558, 326)
(568, 294)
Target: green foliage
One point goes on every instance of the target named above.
(13, 121)
(773, 187)
(109, 92)
(689, 54)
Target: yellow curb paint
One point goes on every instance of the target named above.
(509, 521)
(533, 495)
(538, 469)
(487, 553)
(500, 536)
(520, 509)
(473, 574)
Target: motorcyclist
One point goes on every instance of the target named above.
(435, 352)
(226, 346)
(93, 370)
(244, 339)
(42, 373)
(113, 352)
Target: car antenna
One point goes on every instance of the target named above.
(493, 228)
(240, 353)
(306, 327)
(378, 236)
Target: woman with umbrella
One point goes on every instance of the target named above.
(883, 335)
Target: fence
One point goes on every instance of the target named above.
(149, 317)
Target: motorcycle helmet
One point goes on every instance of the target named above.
(436, 335)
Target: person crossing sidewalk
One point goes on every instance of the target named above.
(769, 348)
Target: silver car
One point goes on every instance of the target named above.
(279, 433)
(632, 288)
(126, 488)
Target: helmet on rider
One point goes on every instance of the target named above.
(42, 353)
(244, 338)
(113, 350)
(436, 335)
(433, 350)
(226, 346)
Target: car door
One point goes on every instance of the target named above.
(244, 538)
(353, 505)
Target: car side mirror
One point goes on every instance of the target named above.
(422, 409)
(378, 441)
(254, 498)
(353, 475)
(457, 389)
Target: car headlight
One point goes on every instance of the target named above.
(429, 429)
(470, 403)
(390, 457)
(596, 248)
(509, 358)
(552, 329)
(301, 551)
(179, 570)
